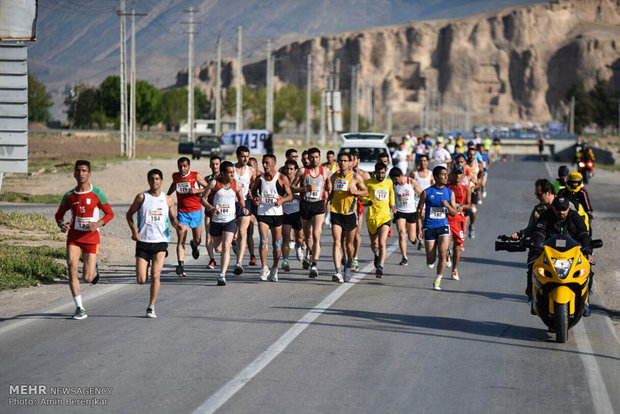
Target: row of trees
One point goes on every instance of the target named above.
(598, 106)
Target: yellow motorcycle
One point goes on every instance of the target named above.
(560, 281)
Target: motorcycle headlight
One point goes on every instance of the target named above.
(562, 267)
(581, 164)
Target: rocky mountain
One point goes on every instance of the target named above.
(513, 64)
(78, 40)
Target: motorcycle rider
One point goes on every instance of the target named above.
(577, 194)
(560, 183)
(544, 192)
(558, 220)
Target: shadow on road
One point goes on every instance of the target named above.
(492, 262)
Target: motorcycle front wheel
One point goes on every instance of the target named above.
(586, 177)
(560, 318)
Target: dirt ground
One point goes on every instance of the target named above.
(127, 178)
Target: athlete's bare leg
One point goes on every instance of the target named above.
(286, 238)
(337, 234)
(456, 254)
(307, 225)
(242, 236)
(263, 231)
(225, 242)
(73, 263)
(431, 254)
(197, 235)
(250, 233)
(349, 238)
(181, 236)
(443, 244)
(401, 225)
(317, 229)
(142, 267)
(357, 243)
(382, 234)
(209, 239)
(276, 237)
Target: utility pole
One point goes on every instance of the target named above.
(336, 81)
(239, 107)
(322, 119)
(572, 115)
(131, 150)
(308, 97)
(371, 103)
(388, 107)
(353, 120)
(123, 134)
(269, 98)
(218, 88)
(421, 91)
(190, 76)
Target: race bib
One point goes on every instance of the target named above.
(155, 216)
(223, 208)
(184, 188)
(381, 195)
(437, 213)
(269, 198)
(341, 184)
(81, 223)
(314, 194)
(403, 200)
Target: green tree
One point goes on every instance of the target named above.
(82, 103)
(605, 109)
(290, 103)
(110, 96)
(584, 109)
(39, 101)
(173, 108)
(148, 103)
(202, 106)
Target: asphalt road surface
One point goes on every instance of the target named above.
(311, 346)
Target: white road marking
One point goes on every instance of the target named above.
(228, 390)
(62, 308)
(598, 390)
(549, 170)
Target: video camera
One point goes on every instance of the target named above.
(506, 243)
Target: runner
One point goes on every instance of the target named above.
(85, 202)
(462, 197)
(424, 178)
(274, 191)
(305, 162)
(154, 209)
(407, 192)
(292, 220)
(438, 202)
(360, 209)
(214, 163)
(244, 175)
(379, 216)
(314, 185)
(252, 162)
(348, 186)
(331, 163)
(474, 173)
(485, 170)
(441, 156)
(401, 157)
(187, 185)
(220, 198)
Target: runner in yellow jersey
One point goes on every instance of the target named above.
(379, 216)
(347, 187)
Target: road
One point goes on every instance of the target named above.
(311, 346)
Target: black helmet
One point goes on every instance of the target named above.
(563, 171)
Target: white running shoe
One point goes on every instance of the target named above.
(273, 276)
(337, 277)
(314, 272)
(484, 194)
(455, 275)
(264, 274)
(437, 284)
(150, 313)
(347, 274)
(430, 265)
(300, 253)
(449, 259)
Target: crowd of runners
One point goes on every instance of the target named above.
(430, 195)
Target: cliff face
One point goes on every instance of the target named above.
(516, 64)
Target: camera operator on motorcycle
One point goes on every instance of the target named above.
(560, 183)
(560, 219)
(544, 192)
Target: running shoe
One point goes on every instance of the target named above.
(80, 313)
(379, 272)
(484, 194)
(347, 274)
(234, 247)
(150, 313)
(437, 284)
(181, 271)
(273, 276)
(305, 263)
(238, 269)
(404, 262)
(480, 201)
(285, 266)
(221, 280)
(314, 272)
(449, 259)
(300, 253)
(472, 232)
(252, 260)
(211, 264)
(195, 252)
(430, 265)
(96, 279)
(337, 277)
(356, 265)
(264, 274)
(455, 275)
